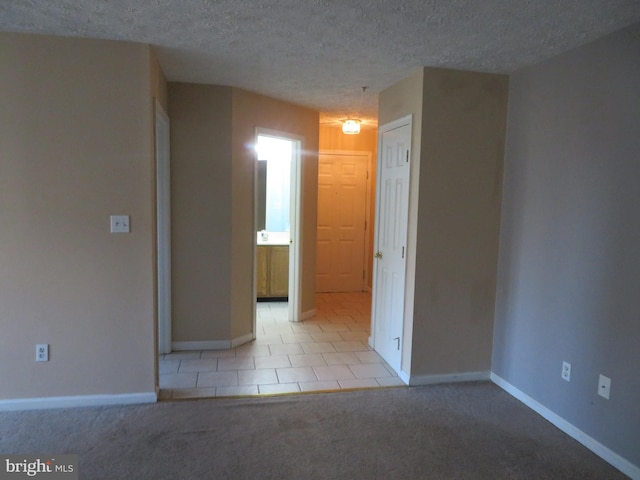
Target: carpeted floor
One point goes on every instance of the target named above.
(458, 431)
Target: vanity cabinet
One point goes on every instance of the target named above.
(272, 271)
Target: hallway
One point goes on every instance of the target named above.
(326, 352)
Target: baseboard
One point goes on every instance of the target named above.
(75, 401)
(448, 378)
(206, 345)
(307, 314)
(242, 340)
(608, 455)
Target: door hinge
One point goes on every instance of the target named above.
(402, 252)
(407, 156)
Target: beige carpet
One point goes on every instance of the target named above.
(459, 431)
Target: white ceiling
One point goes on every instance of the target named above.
(319, 53)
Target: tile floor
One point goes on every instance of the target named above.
(326, 352)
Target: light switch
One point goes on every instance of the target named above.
(119, 223)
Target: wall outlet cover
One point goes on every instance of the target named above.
(604, 386)
(42, 352)
(566, 371)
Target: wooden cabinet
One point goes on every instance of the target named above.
(272, 271)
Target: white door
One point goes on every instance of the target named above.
(342, 212)
(392, 212)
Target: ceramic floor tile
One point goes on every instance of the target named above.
(359, 327)
(359, 383)
(268, 339)
(276, 361)
(333, 372)
(340, 358)
(169, 366)
(369, 357)
(296, 338)
(217, 379)
(327, 337)
(319, 386)
(338, 327)
(252, 350)
(351, 346)
(296, 374)
(218, 353)
(326, 352)
(286, 349)
(307, 360)
(320, 347)
(278, 388)
(305, 327)
(178, 380)
(355, 336)
(390, 382)
(200, 365)
(279, 329)
(236, 363)
(237, 391)
(256, 377)
(181, 356)
(369, 370)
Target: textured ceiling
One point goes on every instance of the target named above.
(319, 53)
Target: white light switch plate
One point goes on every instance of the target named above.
(119, 223)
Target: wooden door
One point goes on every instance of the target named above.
(342, 202)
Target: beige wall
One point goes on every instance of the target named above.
(402, 99)
(249, 112)
(201, 211)
(159, 85)
(332, 138)
(454, 214)
(213, 226)
(76, 146)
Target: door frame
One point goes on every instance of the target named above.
(407, 312)
(367, 213)
(295, 216)
(163, 227)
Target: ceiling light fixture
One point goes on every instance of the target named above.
(351, 126)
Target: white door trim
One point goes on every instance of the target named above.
(295, 246)
(163, 227)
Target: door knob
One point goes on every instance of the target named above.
(378, 254)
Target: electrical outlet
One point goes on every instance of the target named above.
(604, 386)
(42, 352)
(566, 371)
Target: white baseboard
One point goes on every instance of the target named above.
(308, 314)
(206, 345)
(75, 401)
(448, 378)
(608, 455)
(242, 340)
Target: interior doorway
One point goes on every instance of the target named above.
(277, 219)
